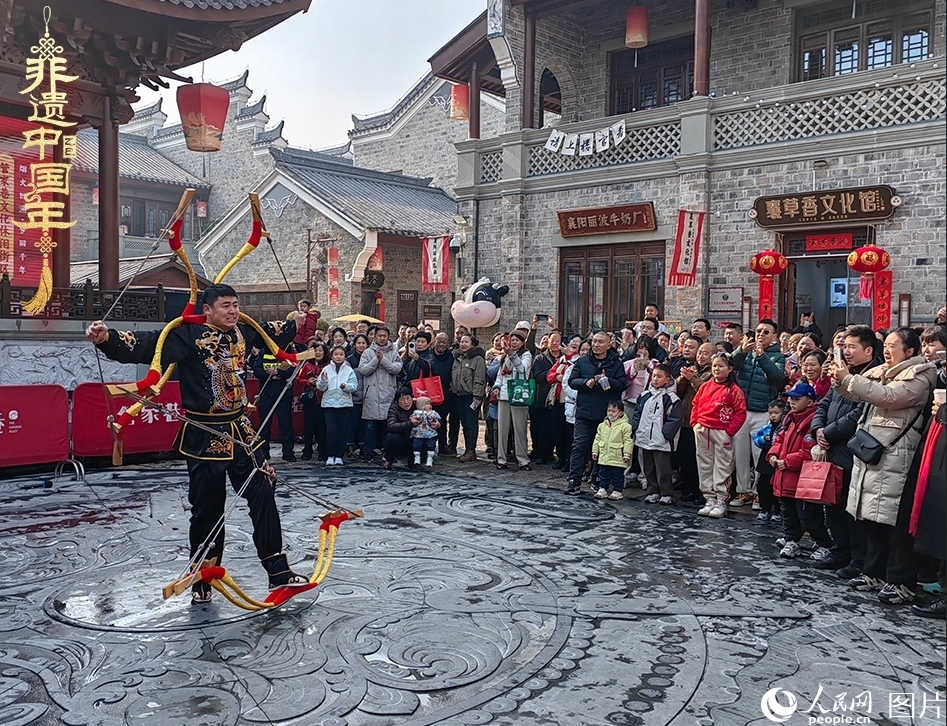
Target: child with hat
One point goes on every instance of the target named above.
(791, 447)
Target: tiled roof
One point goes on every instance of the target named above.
(253, 109)
(146, 111)
(128, 267)
(341, 153)
(381, 120)
(239, 82)
(375, 200)
(166, 131)
(265, 137)
(136, 160)
(227, 4)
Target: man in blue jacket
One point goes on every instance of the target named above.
(761, 373)
(834, 424)
(597, 378)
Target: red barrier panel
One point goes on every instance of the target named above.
(34, 425)
(151, 431)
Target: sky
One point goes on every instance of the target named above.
(343, 57)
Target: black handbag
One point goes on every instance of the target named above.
(867, 448)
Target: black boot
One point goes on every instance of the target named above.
(277, 567)
(936, 610)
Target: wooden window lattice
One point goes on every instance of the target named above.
(643, 144)
(855, 111)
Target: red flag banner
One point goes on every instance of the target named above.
(690, 230)
(19, 256)
(435, 268)
(766, 296)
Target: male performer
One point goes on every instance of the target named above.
(209, 358)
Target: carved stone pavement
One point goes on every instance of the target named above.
(459, 599)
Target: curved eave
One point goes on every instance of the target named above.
(282, 10)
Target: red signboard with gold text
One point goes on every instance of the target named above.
(20, 258)
(607, 220)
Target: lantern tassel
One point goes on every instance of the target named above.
(37, 304)
(866, 287)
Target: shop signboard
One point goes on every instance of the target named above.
(827, 206)
(607, 220)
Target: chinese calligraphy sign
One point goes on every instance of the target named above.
(607, 220)
(47, 180)
(825, 207)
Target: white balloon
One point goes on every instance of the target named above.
(481, 314)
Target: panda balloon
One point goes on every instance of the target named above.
(480, 307)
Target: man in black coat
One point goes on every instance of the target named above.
(597, 378)
(834, 424)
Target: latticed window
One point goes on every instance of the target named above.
(883, 33)
(602, 286)
(659, 75)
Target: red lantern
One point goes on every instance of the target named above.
(868, 260)
(203, 109)
(766, 264)
(636, 27)
(460, 102)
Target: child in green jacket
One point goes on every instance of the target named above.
(612, 450)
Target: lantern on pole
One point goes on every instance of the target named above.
(460, 102)
(203, 108)
(767, 264)
(868, 260)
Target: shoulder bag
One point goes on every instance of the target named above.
(867, 448)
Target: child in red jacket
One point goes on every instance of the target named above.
(791, 448)
(717, 414)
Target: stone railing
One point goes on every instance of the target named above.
(883, 100)
(85, 303)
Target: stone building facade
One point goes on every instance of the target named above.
(766, 129)
(417, 136)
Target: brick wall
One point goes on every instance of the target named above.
(402, 267)
(424, 145)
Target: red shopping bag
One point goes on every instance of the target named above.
(429, 388)
(819, 482)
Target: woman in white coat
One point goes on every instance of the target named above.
(339, 382)
(897, 393)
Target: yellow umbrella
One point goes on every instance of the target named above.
(357, 318)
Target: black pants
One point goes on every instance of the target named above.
(541, 430)
(800, 517)
(314, 433)
(764, 487)
(451, 420)
(559, 431)
(336, 426)
(689, 478)
(207, 494)
(890, 554)
(283, 414)
(397, 445)
(583, 436)
(469, 421)
(845, 541)
(657, 466)
(490, 436)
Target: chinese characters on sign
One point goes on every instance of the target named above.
(829, 242)
(828, 206)
(607, 220)
(47, 178)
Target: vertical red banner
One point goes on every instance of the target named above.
(19, 256)
(766, 296)
(881, 301)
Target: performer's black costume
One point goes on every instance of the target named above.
(212, 393)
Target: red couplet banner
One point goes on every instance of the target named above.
(151, 431)
(34, 425)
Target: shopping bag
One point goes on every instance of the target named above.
(429, 388)
(521, 391)
(819, 482)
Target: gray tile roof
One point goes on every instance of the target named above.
(128, 267)
(136, 160)
(253, 109)
(146, 111)
(226, 4)
(239, 82)
(266, 137)
(386, 118)
(375, 200)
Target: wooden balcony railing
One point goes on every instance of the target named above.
(85, 303)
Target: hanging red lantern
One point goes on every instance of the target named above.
(460, 102)
(636, 27)
(203, 108)
(868, 260)
(766, 264)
